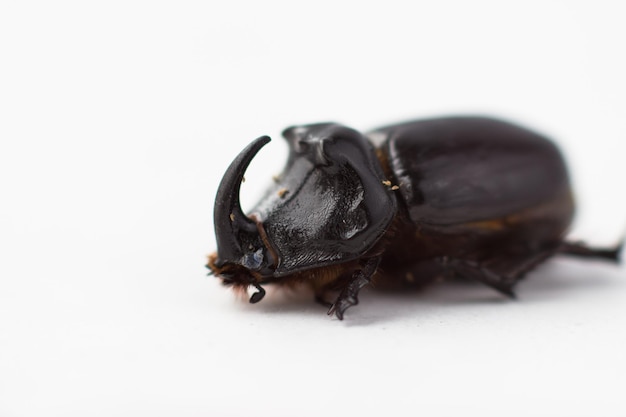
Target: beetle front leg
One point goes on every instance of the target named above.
(348, 297)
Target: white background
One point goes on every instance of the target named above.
(117, 120)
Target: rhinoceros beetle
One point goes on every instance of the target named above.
(398, 207)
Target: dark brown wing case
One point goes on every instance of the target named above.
(456, 170)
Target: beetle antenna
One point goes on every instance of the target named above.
(257, 296)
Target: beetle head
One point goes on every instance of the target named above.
(243, 254)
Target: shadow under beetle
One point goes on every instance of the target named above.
(398, 207)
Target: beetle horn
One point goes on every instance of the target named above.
(227, 214)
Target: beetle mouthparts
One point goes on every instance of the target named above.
(230, 220)
(257, 296)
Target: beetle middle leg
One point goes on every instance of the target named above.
(348, 296)
(503, 270)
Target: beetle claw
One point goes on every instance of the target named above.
(334, 310)
(341, 305)
(343, 302)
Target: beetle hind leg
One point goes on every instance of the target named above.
(581, 250)
(503, 271)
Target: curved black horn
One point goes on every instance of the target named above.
(227, 214)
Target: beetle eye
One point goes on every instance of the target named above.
(253, 260)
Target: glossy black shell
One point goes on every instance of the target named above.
(475, 189)
(403, 205)
(330, 204)
(458, 170)
(469, 180)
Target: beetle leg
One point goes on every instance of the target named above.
(581, 250)
(348, 297)
(473, 270)
(503, 271)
